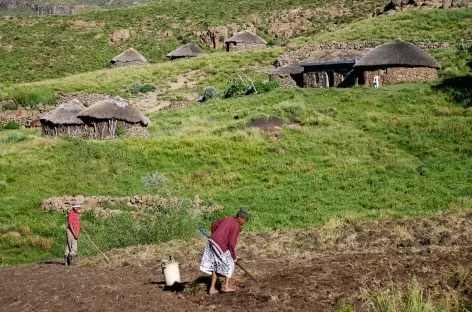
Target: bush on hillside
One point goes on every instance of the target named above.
(11, 125)
(211, 93)
(147, 87)
(239, 88)
(137, 87)
(264, 87)
(236, 89)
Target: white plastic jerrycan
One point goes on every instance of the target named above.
(170, 269)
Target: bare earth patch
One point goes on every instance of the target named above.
(319, 269)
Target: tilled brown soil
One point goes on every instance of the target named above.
(300, 278)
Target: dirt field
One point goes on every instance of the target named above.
(314, 270)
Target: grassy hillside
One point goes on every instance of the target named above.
(58, 46)
(36, 48)
(361, 153)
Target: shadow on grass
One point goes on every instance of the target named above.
(459, 89)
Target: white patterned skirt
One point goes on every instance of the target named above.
(214, 260)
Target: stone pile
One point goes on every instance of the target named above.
(104, 205)
(82, 97)
(24, 116)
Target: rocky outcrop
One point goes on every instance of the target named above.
(42, 8)
(119, 36)
(403, 5)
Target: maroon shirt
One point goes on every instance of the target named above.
(73, 220)
(225, 233)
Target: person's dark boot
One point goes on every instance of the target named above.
(73, 260)
(66, 260)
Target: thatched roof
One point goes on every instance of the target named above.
(246, 37)
(114, 108)
(287, 70)
(188, 50)
(398, 53)
(65, 114)
(129, 55)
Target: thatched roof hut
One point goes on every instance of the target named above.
(128, 57)
(397, 53)
(245, 41)
(107, 116)
(396, 61)
(188, 50)
(63, 120)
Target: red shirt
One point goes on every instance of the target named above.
(225, 233)
(74, 221)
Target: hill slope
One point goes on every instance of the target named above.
(358, 154)
(37, 48)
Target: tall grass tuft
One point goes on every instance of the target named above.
(33, 98)
(411, 299)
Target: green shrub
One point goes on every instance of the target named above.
(236, 89)
(135, 87)
(264, 87)
(12, 125)
(3, 185)
(120, 131)
(211, 93)
(147, 87)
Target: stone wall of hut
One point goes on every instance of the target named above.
(284, 82)
(107, 129)
(393, 75)
(126, 64)
(239, 46)
(49, 129)
(319, 79)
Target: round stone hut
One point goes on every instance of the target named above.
(245, 41)
(129, 57)
(114, 117)
(396, 61)
(185, 51)
(63, 120)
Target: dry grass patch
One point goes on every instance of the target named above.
(40, 242)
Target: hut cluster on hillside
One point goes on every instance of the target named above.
(243, 41)
(105, 119)
(392, 62)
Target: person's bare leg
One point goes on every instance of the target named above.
(228, 287)
(213, 284)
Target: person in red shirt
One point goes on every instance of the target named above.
(72, 234)
(219, 255)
